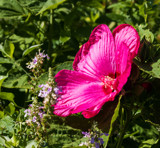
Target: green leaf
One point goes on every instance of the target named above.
(2, 78)
(51, 4)
(152, 69)
(8, 96)
(7, 123)
(1, 114)
(11, 8)
(2, 142)
(156, 69)
(114, 117)
(145, 33)
(30, 49)
(5, 61)
(32, 144)
(61, 135)
(10, 109)
(65, 65)
(14, 140)
(9, 49)
(119, 5)
(16, 81)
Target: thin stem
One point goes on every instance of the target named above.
(123, 130)
(50, 34)
(18, 65)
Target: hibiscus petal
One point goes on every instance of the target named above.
(79, 93)
(123, 66)
(126, 34)
(127, 43)
(97, 57)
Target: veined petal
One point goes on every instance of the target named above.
(79, 93)
(127, 43)
(126, 34)
(123, 67)
(91, 112)
(123, 57)
(97, 57)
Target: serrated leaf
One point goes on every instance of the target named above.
(114, 117)
(30, 49)
(7, 123)
(145, 33)
(156, 69)
(152, 69)
(51, 4)
(16, 81)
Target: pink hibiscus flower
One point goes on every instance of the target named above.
(101, 68)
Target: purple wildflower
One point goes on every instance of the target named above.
(27, 112)
(41, 114)
(86, 134)
(92, 140)
(34, 119)
(97, 145)
(37, 60)
(101, 140)
(46, 89)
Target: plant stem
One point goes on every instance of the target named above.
(123, 130)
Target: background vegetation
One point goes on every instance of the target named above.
(60, 27)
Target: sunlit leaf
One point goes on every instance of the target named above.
(5, 60)
(31, 144)
(156, 69)
(51, 4)
(10, 109)
(30, 49)
(145, 33)
(11, 8)
(7, 123)
(2, 78)
(114, 117)
(8, 97)
(16, 81)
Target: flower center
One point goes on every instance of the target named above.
(108, 84)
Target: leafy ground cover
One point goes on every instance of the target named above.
(38, 38)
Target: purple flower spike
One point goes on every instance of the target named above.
(92, 140)
(97, 145)
(86, 134)
(34, 119)
(41, 115)
(101, 140)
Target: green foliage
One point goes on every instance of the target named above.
(7, 123)
(60, 27)
(51, 4)
(114, 117)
